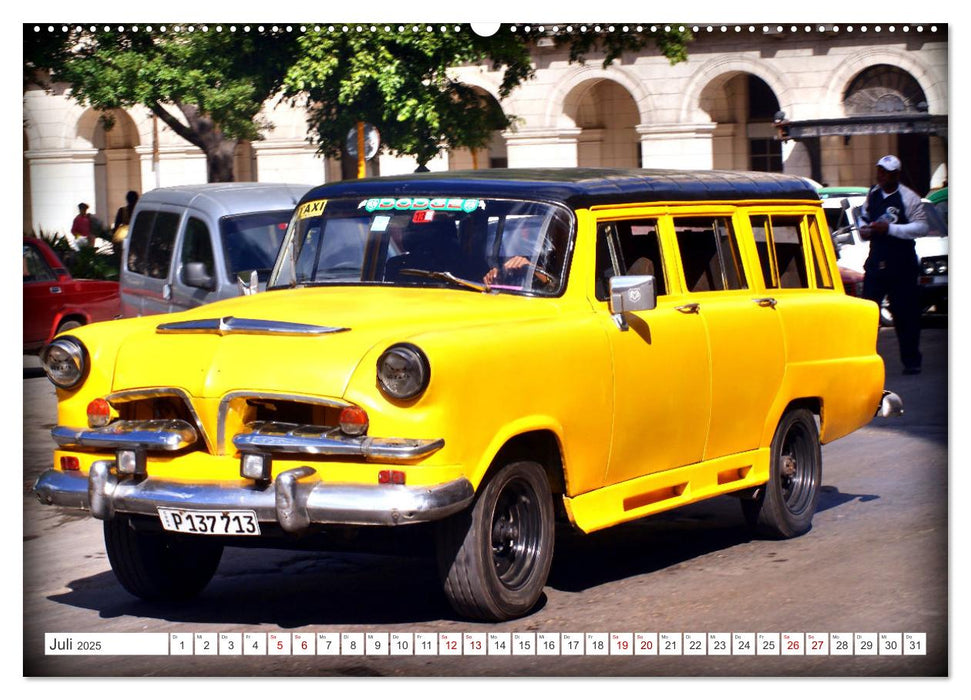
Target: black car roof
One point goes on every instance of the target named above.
(578, 187)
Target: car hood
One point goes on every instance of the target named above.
(303, 340)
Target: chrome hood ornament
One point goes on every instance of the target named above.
(251, 326)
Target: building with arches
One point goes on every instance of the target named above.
(824, 102)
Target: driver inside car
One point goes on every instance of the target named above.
(429, 245)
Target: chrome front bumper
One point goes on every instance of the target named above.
(294, 499)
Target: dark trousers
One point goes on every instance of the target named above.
(898, 283)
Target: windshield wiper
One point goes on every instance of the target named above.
(448, 277)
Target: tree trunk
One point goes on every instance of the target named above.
(205, 134)
(220, 158)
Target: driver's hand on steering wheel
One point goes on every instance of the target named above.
(514, 263)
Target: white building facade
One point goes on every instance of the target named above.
(823, 102)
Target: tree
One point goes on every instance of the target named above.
(671, 42)
(217, 79)
(402, 81)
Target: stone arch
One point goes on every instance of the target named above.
(933, 85)
(600, 110)
(718, 71)
(906, 80)
(117, 167)
(740, 98)
(585, 77)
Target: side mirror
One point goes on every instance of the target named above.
(631, 293)
(195, 276)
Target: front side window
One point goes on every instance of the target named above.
(628, 247)
(507, 246)
(251, 241)
(197, 245)
(709, 251)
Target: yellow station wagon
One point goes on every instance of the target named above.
(472, 356)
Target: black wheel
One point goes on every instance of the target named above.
(785, 505)
(494, 557)
(159, 565)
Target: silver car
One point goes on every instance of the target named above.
(189, 245)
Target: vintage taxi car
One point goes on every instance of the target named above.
(472, 356)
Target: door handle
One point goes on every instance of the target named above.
(766, 302)
(55, 290)
(688, 308)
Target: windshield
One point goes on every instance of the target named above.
(251, 241)
(511, 246)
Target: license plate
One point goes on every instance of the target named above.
(209, 522)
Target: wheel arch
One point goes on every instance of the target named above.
(65, 316)
(813, 404)
(541, 445)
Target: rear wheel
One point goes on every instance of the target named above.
(494, 558)
(786, 504)
(158, 565)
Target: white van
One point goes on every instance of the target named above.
(188, 245)
(842, 206)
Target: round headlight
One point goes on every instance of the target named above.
(65, 361)
(403, 371)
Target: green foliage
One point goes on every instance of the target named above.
(671, 42)
(86, 262)
(402, 83)
(218, 79)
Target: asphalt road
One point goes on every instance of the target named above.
(875, 561)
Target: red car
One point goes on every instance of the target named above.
(55, 302)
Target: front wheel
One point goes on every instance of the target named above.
(494, 558)
(785, 506)
(159, 566)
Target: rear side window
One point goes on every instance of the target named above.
(779, 241)
(152, 241)
(36, 268)
(709, 254)
(824, 279)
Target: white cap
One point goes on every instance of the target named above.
(890, 163)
